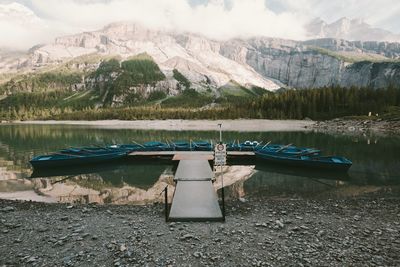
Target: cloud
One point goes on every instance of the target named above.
(43, 20)
(382, 13)
(214, 19)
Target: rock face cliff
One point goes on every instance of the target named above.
(368, 74)
(301, 65)
(195, 56)
(292, 64)
(265, 62)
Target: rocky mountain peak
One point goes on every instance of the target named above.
(349, 29)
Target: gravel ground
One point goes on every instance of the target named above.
(259, 231)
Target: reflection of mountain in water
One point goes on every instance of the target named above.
(127, 183)
(88, 188)
(142, 174)
(139, 182)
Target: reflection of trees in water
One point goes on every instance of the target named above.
(271, 183)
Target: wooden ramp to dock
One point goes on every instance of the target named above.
(195, 198)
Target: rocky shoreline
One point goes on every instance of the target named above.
(259, 231)
(356, 127)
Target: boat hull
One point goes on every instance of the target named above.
(305, 163)
(50, 162)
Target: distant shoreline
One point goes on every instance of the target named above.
(195, 125)
(335, 126)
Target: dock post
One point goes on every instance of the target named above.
(220, 132)
(166, 202)
(223, 196)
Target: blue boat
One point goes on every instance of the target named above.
(288, 150)
(127, 147)
(63, 159)
(202, 146)
(155, 146)
(336, 163)
(249, 146)
(232, 146)
(181, 146)
(87, 150)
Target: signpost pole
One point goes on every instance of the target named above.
(223, 195)
(220, 159)
(220, 132)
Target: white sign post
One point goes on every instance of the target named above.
(220, 160)
(220, 154)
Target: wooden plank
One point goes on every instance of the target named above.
(240, 153)
(194, 156)
(195, 201)
(188, 153)
(194, 170)
(152, 153)
(169, 153)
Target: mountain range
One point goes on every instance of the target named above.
(346, 53)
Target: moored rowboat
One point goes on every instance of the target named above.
(62, 159)
(320, 162)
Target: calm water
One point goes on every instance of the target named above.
(376, 165)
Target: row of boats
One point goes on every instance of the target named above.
(281, 154)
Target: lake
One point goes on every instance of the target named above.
(376, 166)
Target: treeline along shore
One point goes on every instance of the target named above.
(316, 104)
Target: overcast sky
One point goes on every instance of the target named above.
(215, 18)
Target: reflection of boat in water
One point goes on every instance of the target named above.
(75, 170)
(141, 174)
(302, 172)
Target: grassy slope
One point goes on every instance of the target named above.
(352, 57)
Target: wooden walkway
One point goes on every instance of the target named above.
(195, 198)
(189, 154)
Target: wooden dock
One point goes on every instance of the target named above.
(195, 198)
(178, 155)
